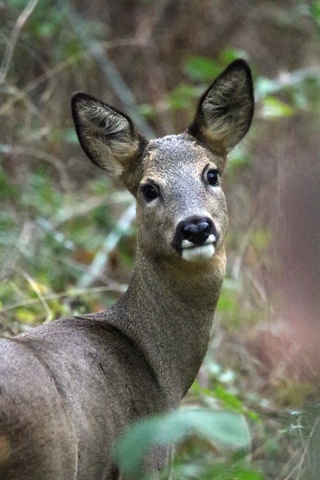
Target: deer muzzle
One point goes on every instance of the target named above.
(195, 238)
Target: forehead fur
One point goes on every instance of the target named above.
(175, 151)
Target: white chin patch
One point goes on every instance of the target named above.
(198, 254)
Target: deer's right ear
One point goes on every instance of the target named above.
(107, 136)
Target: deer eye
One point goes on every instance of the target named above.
(149, 192)
(213, 177)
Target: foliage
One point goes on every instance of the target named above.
(58, 215)
(223, 429)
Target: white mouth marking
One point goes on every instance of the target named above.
(192, 253)
(197, 254)
(188, 244)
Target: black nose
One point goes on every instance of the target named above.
(195, 229)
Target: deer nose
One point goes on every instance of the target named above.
(196, 230)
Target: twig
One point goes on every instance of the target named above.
(40, 154)
(37, 291)
(23, 17)
(21, 246)
(149, 21)
(110, 71)
(115, 287)
(306, 450)
(59, 237)
(108, 245)
(22, 94)
(69, 212)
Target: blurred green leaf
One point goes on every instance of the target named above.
(230, 401)
(228, 55)
(201, 69)
(274, 108)
(7, 189)
(148, 111)
(315, 10)
(25, 315)
(216, 471)
(41, 194)
(224, 429)
(182, 97)
(261, 239)
(58, 136)
(228, 302)
(205, 69)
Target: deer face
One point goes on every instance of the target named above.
(181, 209)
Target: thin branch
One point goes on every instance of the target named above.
(17, 95)
(112, 240)
(38, 292)
(110, 71)
(41, 155)
(115, 287)
(23, 17)
(71, 211)
(306, 450)
(21, 247)
(148, 23)
(59, 237)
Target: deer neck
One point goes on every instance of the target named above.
(168, 311)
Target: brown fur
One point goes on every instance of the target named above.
(68, 389)
(5, 449)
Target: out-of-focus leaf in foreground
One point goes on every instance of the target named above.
(226, 430)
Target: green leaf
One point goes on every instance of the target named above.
(7, 190)
(146, 110)
(229, 401)
(230, 54)
(25, 315)
(182, 97)
(261, 239)
(315, 10)
(216, 471)
(274, 108)
(201, 69)
(224, 429)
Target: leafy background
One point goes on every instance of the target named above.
(67, 234)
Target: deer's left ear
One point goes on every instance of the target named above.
(225, 110)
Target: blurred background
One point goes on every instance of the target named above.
(67, 233)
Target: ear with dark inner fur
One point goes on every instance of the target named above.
(108, 137)
(225, 110)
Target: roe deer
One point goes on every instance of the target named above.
(68, 389)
